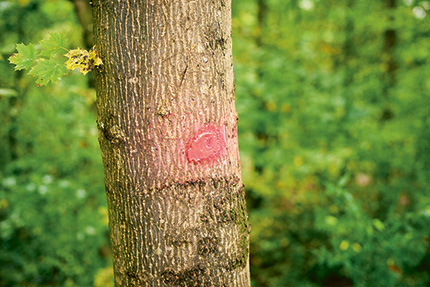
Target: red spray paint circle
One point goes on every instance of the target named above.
(207, 144)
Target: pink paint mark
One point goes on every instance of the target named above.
(209, 143)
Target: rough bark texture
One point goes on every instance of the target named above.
(167, 122)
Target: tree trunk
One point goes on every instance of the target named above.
(83, 13)
(389, 75)
(168, 136)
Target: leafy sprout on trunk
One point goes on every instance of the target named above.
(44, 63)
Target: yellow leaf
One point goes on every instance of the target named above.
(23, 3)
(78, 58)
(344, 245)
(94, 57)
(82, 59)
(427, 211)
(4, 203)
(356, 247)
(298, 161)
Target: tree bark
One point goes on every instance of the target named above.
(168, 136)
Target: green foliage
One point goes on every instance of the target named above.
(47, 71)
(25, 56)
(46, 66)
(334, 142)
(53, 46)
(53, 214)
(370, 251)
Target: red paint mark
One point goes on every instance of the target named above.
(208, 143)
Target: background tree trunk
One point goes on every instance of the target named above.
(83, 13)
(167, 121)
(389, 75)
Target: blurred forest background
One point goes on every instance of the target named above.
(334, 105)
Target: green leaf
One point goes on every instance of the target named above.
(25, 56)
(48, 71)
(54, 45)
(8, 93)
